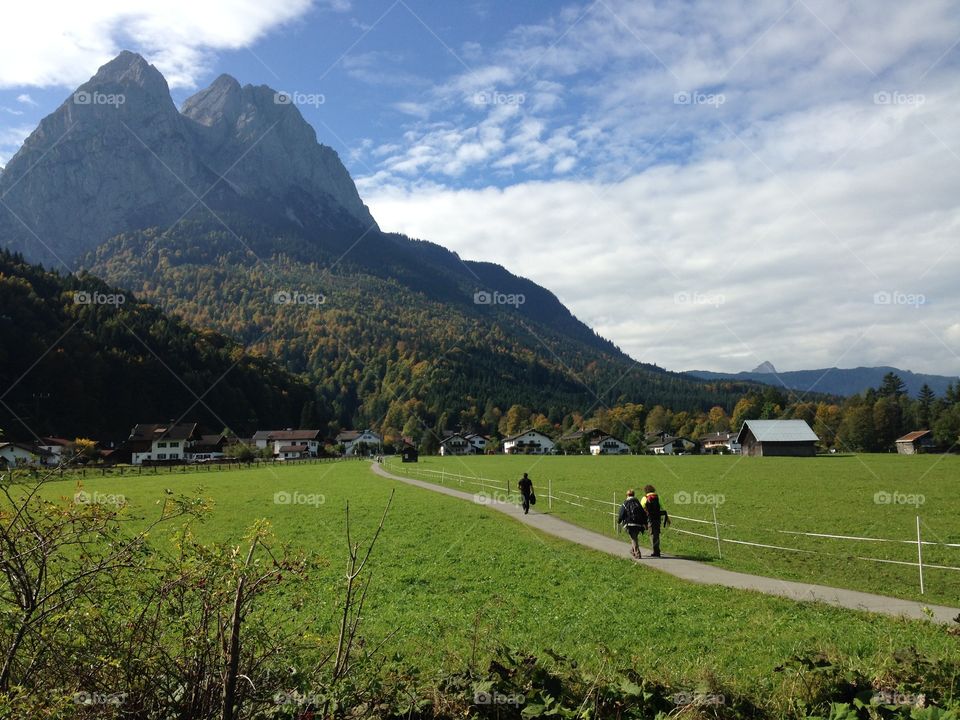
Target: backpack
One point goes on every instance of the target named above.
(652, 507)
(633, 512)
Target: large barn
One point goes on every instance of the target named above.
(777, 438)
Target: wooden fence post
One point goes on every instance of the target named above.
(616, 520)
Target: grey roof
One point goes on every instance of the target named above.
(271, 435)
(164, 431)
(604, 438)
(779, 431)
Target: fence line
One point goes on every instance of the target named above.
(65, 471)
(866, 539)
(919, 563)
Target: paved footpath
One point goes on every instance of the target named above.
(699, 572)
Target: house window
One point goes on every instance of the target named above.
(174, 444)
(161, 444)
(161, 456)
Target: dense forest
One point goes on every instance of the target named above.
(388, 335)
(79, 357)
(297, 343)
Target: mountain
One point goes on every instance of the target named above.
(80, 357)
(833, 381)
(118, 155)
(230, 215)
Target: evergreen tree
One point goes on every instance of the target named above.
(892, 386)
(925, 403)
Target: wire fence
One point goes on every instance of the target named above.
(717, 537)
(67, 472)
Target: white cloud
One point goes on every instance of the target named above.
(60, 43)
(25, 99)
(815, 164)
(730, 260)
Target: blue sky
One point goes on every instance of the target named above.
(708, 184)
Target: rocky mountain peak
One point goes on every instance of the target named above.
(218, 103)
(119, 157)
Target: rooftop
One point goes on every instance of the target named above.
(779, 431)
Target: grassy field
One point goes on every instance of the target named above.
(453, 579)
(874, 496)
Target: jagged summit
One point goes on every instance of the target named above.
(118, 156)
(129, 68)
(765, 367)
(211, 105)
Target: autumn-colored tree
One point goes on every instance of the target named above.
(85, 449)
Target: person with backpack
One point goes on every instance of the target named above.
(634, 519)
(526, 492)
(651, 505)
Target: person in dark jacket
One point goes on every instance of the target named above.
(526, 490)
(634, 519)
(651, 506)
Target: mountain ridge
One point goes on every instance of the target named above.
(216, 211)
(120, 136)
(834, 381)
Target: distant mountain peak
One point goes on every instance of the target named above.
(835, 381)
(765, 367)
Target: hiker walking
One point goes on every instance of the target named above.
(526, 492)
(651, 504)
(633, 517)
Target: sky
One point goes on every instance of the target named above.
(709, 185)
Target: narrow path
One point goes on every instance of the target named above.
(699, 572)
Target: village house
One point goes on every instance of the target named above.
(579, 440)
(17, 454)
(916, 442)
(478, 441)
(161, 442)
(289, 444)
(290, 452)
(207, 448)
(61, 448)
(777, 438)
(719, 442)
(608, 445)
(456, 444)
(673, 445)
(655, 437)
(359, 442)
(529, 442)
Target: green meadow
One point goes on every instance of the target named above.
(453, 581)
(763, 501)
